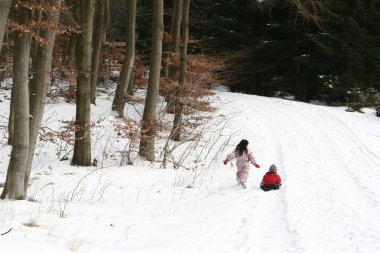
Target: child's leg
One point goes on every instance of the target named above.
(238, 174)
(242, 174)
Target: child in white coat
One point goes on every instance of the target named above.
(243, 157)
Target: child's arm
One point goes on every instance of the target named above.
(279, 180)
(252, 159)
(231, 156)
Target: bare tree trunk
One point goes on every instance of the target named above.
(178, 105)
(172, 17)
(82, 146)
(148, 132)
(126, 71)
(72, 45)
(100, 32)
(14, 185)
(74, 36)
(176, 34)
(5, 6)
(36, 15)
(11, 119)
(39, 84)
(131, 83)
(177, 26)
(167, 44)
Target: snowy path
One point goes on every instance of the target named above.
(330, 196)
(329, 161)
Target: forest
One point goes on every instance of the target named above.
(177, 50)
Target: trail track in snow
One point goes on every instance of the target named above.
(328, 159)
(329, 199)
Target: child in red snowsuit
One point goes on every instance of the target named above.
(271, 180)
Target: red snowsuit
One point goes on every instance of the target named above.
(271, 181)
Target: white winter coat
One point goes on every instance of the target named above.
(243, 160)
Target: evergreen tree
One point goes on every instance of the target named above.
(287, 52)
(356, 100)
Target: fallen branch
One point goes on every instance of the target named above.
(7, 232)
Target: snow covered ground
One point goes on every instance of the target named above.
(329, 161)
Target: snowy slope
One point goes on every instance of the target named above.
(328, 159)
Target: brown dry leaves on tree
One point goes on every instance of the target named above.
(202, 73)
(6, 59)
(40, 6)
(38, 24)
(113, 58)
(56, 136)
(63, 67)
(127, 128)
(112, 62)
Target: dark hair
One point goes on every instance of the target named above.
(242, 146)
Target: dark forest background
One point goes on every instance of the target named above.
(272, 49)
(330, 51)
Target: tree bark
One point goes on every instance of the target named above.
(131, 83)
(74, 36)
(100, 32)
(167, 44)
(172, 16)
(148, 132)
(14, 185)
(177, 26)
(11, 120)
(176, 34)
(5, 6)
(40, 83)
(178, 105)
(82, 146)
(126, 72)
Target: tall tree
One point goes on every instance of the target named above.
(172, 16)
(148, 132)
(100, 32)
(11, 120)
(175, 25)
(74, 36)
(82, 146)
(174, 47)
(126, 71)
(178, 105)
(176, 32)
(40, 82)
(5, 6)
(14, 185)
